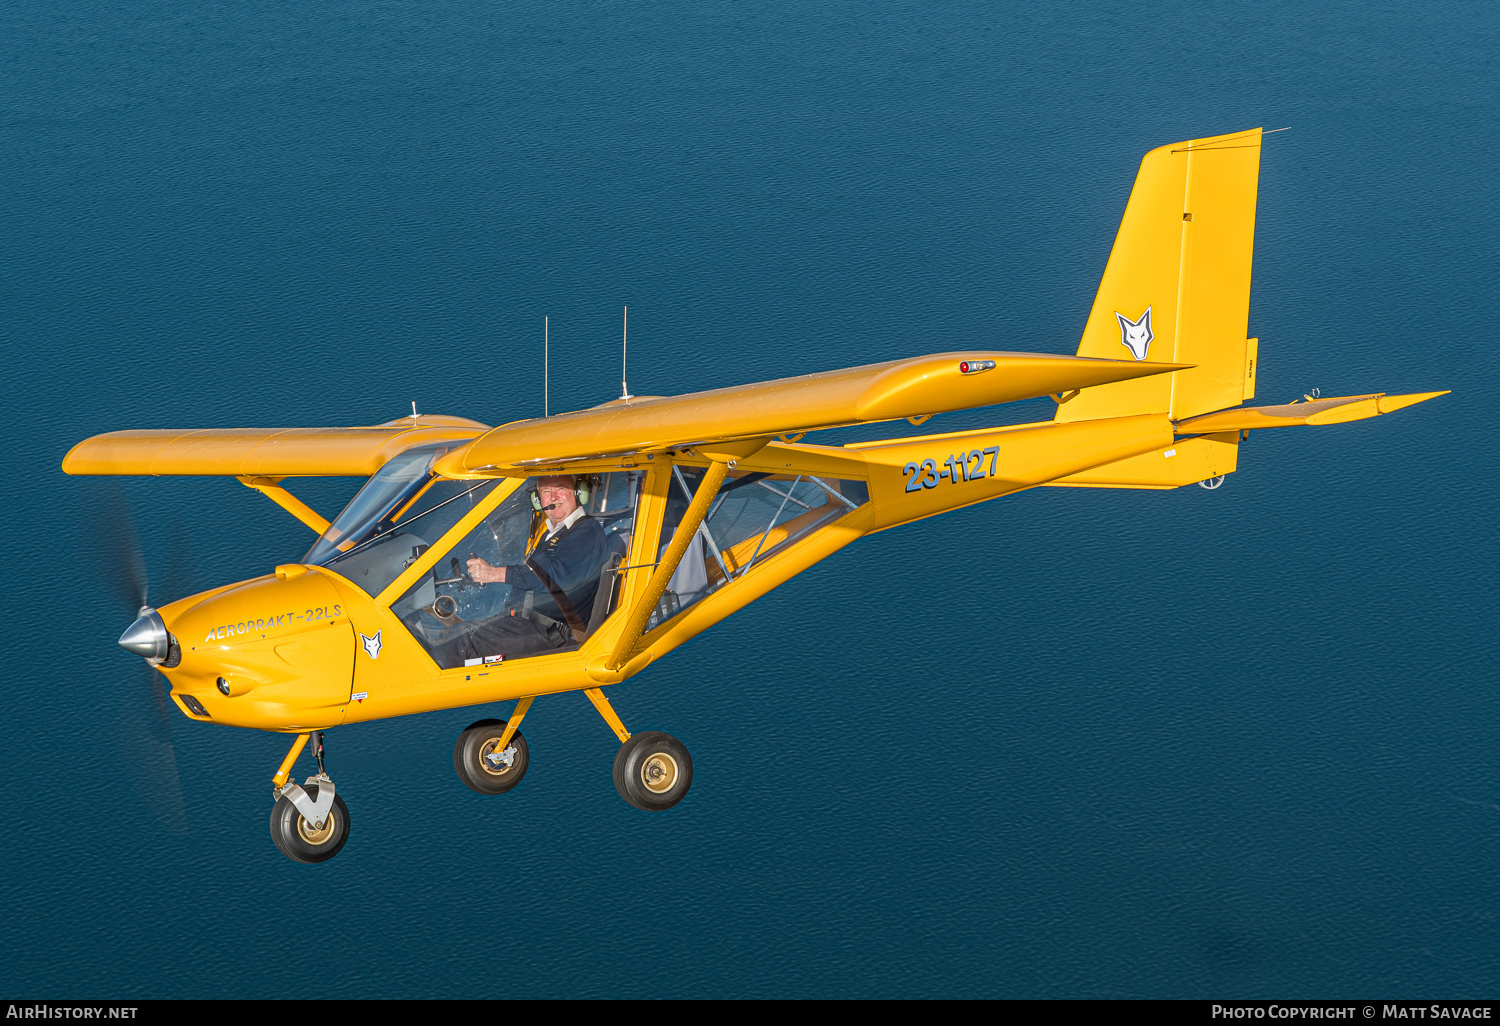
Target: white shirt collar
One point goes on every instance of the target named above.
(571, 519)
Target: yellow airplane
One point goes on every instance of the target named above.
(568, 553)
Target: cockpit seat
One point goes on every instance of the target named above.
(608, 592)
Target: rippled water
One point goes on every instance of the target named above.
(1069, 743)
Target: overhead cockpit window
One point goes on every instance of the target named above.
(537, 575)
(754, 516)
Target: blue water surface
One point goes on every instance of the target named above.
(1067, 744)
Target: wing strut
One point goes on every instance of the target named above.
(271, 488)
(686, 531)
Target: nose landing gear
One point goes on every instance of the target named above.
(309, 822)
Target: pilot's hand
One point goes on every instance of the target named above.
(486, 573)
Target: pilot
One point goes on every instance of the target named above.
(552, 590)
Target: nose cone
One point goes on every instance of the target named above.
(147, 637)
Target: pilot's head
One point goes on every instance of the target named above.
(561, 493)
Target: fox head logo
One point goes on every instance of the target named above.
(372, 645)
(1136, 335)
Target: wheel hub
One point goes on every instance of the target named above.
(496, 762)
(311, 834)
(659, 772)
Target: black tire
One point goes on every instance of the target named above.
(478, 774)
(653, 771)
(295, 836)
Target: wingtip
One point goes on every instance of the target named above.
(1390, 403)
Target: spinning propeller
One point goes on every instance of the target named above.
(146, 729)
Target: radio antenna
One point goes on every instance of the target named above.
(624, 348)
(546, 366)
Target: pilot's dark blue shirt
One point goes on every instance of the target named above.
(567, 563)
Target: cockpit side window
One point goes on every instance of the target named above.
(560, 580)
(753, 516)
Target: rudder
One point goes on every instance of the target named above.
(1176, 288)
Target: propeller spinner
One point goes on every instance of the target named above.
(147, 637)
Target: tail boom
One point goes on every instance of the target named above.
(915, 478)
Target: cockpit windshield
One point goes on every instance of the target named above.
(388, 492)
(390, 522)
(399, 540)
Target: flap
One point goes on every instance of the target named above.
(263, 452)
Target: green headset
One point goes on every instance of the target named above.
(584, 485)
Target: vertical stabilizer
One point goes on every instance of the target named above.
(1177, 285)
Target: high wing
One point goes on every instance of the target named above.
(734, 422)
(263, 452)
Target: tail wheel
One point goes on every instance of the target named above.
(300, 840)
(483, 765)
(653, 771)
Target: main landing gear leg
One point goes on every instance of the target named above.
(491, 756)
(309, 822)
(653, 771)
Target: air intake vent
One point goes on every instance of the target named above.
(194, 706)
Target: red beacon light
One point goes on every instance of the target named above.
(975, 366)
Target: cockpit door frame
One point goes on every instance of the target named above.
(651, 507)
(439, 548)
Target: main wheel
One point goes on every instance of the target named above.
(653, 771)
(482, 765)
(298, 840)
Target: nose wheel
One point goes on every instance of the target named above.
(317, 840)
(309, 822)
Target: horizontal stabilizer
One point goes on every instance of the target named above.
(1315, 411)
(263, 452)
(915, 388)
